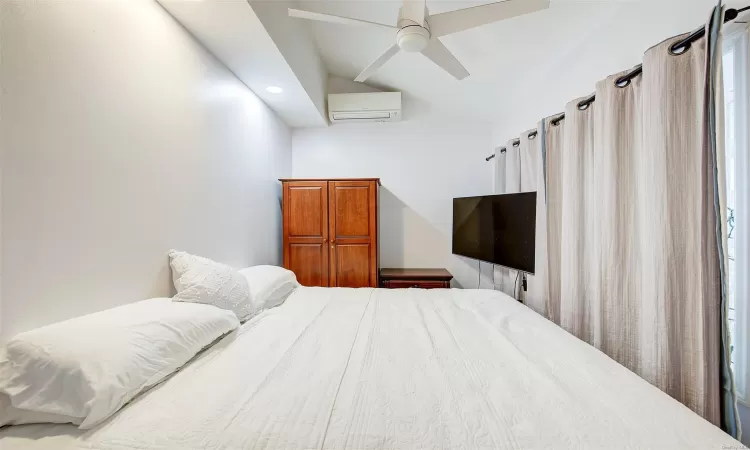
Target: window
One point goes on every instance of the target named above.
(736, 99)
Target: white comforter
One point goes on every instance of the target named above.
(406, 369)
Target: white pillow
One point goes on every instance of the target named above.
(269, 285)
(201, 280)
(14, 416)
(89, 367)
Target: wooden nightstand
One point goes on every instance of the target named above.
(415, 278)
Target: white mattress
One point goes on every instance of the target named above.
(406, 369)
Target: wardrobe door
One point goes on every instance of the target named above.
(306, 231)
(353, 231)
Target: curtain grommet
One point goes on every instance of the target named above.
(679, 48)
(623, 82)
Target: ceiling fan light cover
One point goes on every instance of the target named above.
(413, 39)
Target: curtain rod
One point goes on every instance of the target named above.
(502, 150)
(515, 142)
(677, 48)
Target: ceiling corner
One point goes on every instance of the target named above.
(263, 47)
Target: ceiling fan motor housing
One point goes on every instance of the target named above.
(414, 32)
(413, 38)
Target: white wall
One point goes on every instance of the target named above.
(121, 138)
(423, 164)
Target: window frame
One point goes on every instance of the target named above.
(737, 41)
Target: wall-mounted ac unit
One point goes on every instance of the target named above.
(367, 107)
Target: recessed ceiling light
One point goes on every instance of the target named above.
(274, 89)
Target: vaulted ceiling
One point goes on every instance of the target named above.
(520, 68)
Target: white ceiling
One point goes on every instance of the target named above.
(521, 69)
(572, 44)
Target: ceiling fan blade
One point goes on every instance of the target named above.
(378, 63)
(464, 19)
(414, 10)
(440, 55)
(335, 19)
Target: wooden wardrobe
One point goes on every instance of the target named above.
(331, 231)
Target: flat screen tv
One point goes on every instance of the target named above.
(500, 229)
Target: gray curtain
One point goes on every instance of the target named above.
(553, 134)
(500, 275)
(520, 169)
(635, 230)
(532, 180)
(511, 184)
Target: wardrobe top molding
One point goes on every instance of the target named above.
(377, 180)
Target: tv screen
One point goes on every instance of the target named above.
(500, 229)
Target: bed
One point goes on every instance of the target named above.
(393, 369)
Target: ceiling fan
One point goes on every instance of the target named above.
(418, 31)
